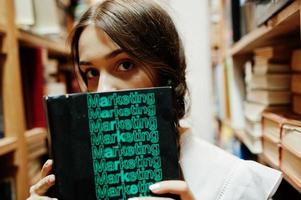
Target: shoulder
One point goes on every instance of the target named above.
(212, 173)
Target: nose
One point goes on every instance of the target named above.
(105, 83)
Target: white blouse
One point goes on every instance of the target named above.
(214, 174)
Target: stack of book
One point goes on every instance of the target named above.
(267, 87)
(281, 143)
(296, 80)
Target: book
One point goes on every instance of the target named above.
(291, 165)
(237, 94)
(291, 150)
(291, 137)
(264, 10)
(46, 17)
(268, 97)
(253, 111)
(33, 85)
(280, 53)
(273, 122)
(296, 83)
(270, 68)
(112, 145)
(253, 128)
(296, 60)
(24, 13)
(297, 104)
(270, 82)
(271, 150)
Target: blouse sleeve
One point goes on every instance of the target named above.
(214, 174)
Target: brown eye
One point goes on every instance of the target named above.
(91, 73)
(125, 66)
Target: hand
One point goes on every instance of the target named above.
(47, 180)
(173, 187)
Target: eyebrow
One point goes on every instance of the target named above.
(108, 56)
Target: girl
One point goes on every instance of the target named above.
(123, 44)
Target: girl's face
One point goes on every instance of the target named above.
(106, 67)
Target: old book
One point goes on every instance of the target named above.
(253, 128)
(270, 82)
(270, 68)
(296, 83)
(46, 17)
(291, 153)
(277, 52)
(272, 123)
(297, 104)
(291, 165)
(296, 60)
(253, 111)
(24, 13)
(271, 150)
(112, 145)
(267, 97)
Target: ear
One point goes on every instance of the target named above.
(80, 80)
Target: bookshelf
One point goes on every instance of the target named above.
(286, 21)
(20, 148)
(33, 40)
(282, 27)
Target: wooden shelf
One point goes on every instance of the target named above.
(31, 39)
(285, 22)
(7, 145)
(36, 135)
(290, 180)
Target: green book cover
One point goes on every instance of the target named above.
(112, 145)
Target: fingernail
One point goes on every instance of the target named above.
(154, 187)
(48, 162)
(51, 178)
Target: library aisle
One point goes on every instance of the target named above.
(256, 65)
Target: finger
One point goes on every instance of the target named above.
(174, 187)
(46, 168)
(43, 185)
(149, 198)
(35, 197)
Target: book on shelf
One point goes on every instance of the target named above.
(271, 150)
(296, 60)
(253, 128)
(297, 103)
(237, 94)
(253, 111)
(112, 144)
(32, 62)
(24, 11)
(269, 97)
(46, 17)
(264, 10)
(277, 53)
(291, 150)
(296, 83)
(273, 121)
(271, 68)
(270, 82)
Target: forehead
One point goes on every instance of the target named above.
(95, 43)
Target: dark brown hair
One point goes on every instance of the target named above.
(147, 33)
